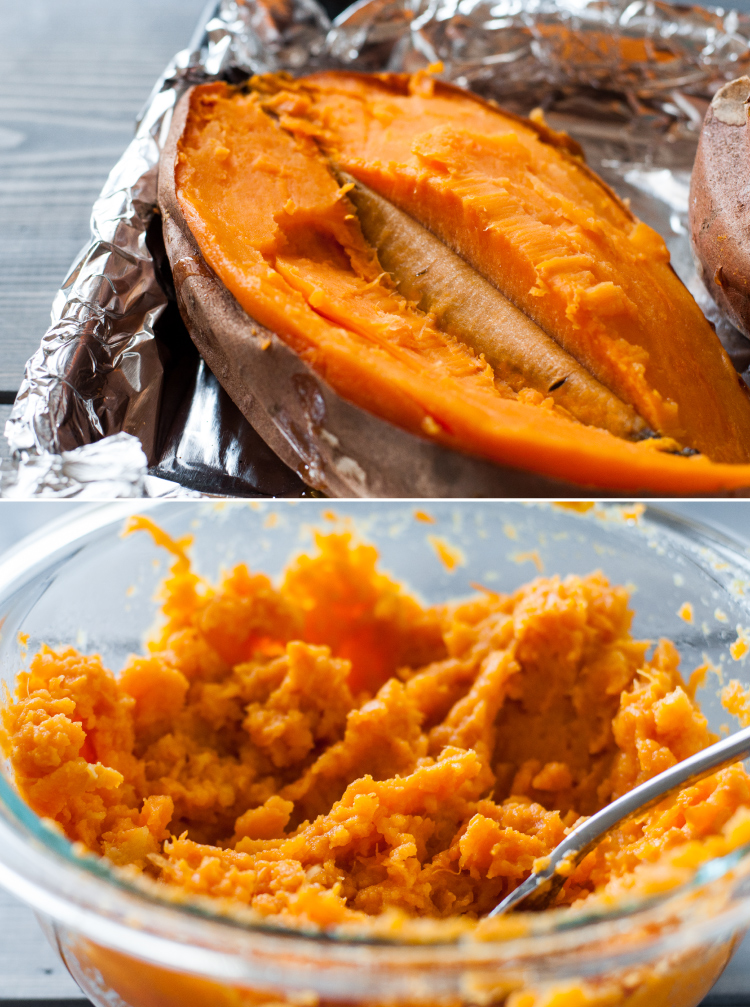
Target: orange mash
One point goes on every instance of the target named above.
(327, 749)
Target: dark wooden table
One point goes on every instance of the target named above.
(73, 76)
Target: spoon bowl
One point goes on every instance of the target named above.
(540, 888)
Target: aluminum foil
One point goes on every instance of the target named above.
(629, 80)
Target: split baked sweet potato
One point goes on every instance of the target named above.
(457, 272)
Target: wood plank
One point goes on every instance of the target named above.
(73, 76)
(735, 981)
(4, 447)
(29, 968)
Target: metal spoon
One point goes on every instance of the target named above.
(540, 888)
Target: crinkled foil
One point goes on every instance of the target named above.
(630, 80)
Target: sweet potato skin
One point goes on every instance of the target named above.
(465, 304)
(344, 450)
(718, 203)
(333, 445)
(271, 220)
(562, 247)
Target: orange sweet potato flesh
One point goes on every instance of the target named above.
(272, 221)
(549, 234)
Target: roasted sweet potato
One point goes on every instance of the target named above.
(546, 232)
(719, 202)
(250, 185)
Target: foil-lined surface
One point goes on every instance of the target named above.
(629, 80)
(112, 468)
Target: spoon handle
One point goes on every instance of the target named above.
(539, 888)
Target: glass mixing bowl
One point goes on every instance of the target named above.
(80, 582)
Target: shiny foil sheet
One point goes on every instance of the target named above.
(630, 81)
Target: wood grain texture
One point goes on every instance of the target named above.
(73, 76)
(29, 968)
(4, 447)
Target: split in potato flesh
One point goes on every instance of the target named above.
(546, 231)
(465, 305)
(269, 216)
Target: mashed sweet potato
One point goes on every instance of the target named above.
(326, 750)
